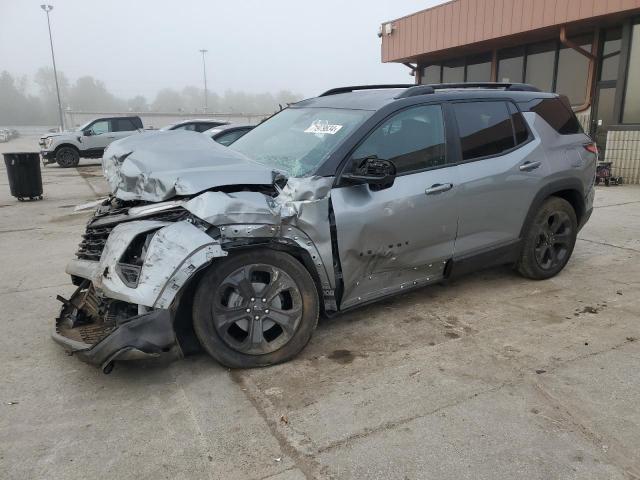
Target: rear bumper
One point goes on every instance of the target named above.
(102, 341)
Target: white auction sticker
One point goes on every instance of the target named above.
(322, 126)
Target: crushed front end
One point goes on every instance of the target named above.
(131, 262)
(101, 331)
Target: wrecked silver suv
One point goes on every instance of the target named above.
(332, 203)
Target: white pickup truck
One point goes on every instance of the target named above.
(88, 141)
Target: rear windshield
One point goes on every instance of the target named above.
(299, 140)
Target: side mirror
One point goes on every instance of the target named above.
(373, 171)
(87, 133)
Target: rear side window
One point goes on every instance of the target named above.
(558, 115)
(519, 127)
(485, 128)
(122, 125)
(413, 140)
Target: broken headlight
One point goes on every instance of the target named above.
(130, 264)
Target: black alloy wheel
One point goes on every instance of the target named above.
(548, 240)
(255, 309)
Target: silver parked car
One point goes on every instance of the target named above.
(227, 134)
(335, 202)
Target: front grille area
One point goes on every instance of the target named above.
(95, 236)
(93, 242)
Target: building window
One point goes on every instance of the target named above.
(479, 68)
(611, 54)
(511, 65)
(573, 70)
(541, 59)
(453, 71)
(431, 74)
(631, 109)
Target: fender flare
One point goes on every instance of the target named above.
(556, 186)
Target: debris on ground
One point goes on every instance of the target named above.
(284, 419)
(539, 371)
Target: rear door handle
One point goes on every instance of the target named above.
(438, 188)
(528, 166)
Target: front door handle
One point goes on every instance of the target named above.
(438, 188)
(528, 166)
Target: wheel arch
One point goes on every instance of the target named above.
(183, 323)
(570, 190)
(66, 145)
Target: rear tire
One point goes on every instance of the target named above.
(255, 309)
(548, 240)
(67, 157)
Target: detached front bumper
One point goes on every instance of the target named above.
(99, 337)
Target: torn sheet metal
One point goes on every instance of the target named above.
(299, 213)
(175, 249)
(176, 163)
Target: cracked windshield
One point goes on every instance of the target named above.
(298, 140)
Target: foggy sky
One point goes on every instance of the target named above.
(141, 46)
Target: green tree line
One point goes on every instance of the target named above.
(33, 101)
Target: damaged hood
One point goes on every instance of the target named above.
(161, 165)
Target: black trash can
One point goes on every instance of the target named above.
(25, 179)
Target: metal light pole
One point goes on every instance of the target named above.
(47, 9)
(204, 72)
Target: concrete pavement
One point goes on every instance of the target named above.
(490, 377)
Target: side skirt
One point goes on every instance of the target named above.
(504, 254)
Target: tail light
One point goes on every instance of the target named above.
(591, 148)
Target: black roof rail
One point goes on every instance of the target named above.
(416, 90)
(512, 87)
(335, 91)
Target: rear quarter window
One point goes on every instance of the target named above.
(557, 114)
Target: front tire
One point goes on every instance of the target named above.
(67, 157)
(255, 309)
(548, 240)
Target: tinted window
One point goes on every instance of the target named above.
(228, 138)
(201, 127)
(519, 126)
(559, 115)
(573, 71)
(412, 139)
(122, 125)
(511, 65)
(484, 128)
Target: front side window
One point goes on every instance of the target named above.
(299, 140)
(100, 127)
(413, 139)
(484, 127)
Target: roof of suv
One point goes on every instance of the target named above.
(368, 98)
